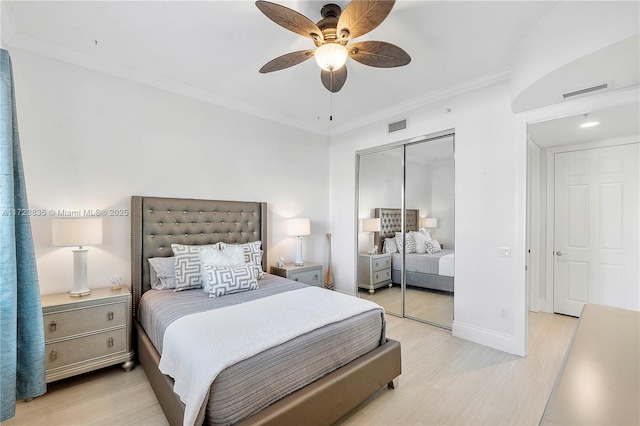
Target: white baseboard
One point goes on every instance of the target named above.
(483, 336)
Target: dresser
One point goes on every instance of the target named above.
(374, 271)
(86, 333)
(310, 273)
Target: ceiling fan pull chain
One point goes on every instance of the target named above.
(331, 98)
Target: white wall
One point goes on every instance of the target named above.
(490, 190)
(90, 141)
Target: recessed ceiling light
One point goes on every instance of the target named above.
(590, 124)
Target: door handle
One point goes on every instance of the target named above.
(559, 253)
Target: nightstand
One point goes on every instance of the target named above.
(86, 333)
(310, 273)
(374, 271)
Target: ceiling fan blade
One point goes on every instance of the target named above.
(378, 54)
(291, 20)
(334, 80)
(286, 61)
(360, 17)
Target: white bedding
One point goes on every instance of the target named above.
(193, 355)
(447, 265)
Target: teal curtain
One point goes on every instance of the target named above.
(21, 330)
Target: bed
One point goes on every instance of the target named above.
(434, 271)
(159, 222)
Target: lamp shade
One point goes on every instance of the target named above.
(429, 222)
(77, 231)
(298, 226)
(331, 56)
(371, 225)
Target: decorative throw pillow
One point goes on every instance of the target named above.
(162, 273)
(390, 245)
(227, 256)
(426, 234)
(410, 242)
(223, 280)
(433, 246)
(188, 266)
(252, 253)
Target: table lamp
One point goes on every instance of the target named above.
(78, 232)
(298, 227)
(371, 226)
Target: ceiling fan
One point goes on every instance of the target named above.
(331, 36)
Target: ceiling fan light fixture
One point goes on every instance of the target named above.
(331, 56)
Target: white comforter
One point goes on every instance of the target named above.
(197, 347)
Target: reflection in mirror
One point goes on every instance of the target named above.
(410, 273)
(429, 258)
(380, 178)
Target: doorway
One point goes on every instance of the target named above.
(587, 212)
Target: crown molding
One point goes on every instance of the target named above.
(426, 99)
(44, 48)
(50, 50)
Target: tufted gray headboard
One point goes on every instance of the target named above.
(391, 222)
(156, 223)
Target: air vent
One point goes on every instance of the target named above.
(398, 125)
(584, 91)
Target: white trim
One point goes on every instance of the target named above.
(491, 338)
(533, 225)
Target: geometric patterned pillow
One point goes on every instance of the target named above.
(252, 253)
(223, 280)
(409, 241)
(433, 246)
(188, 266)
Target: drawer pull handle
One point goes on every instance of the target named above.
(376, 263)
(110, 315)
(315, 277)
(53, 355)
(110, 341)
(53, 326)
(296, 279)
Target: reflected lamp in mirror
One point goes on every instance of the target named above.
(429, 223)
(77, 232)
(371, 226)
(297, 227)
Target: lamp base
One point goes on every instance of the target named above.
(298, 263)
(80, 293)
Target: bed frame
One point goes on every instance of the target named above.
(390, 223)
(156, 223)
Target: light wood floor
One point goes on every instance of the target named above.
(444, 380)
(433, 306)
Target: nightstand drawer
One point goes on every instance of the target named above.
(307, 277)
(82, 320)
(379, 276)
(382, 263)
(79, 349)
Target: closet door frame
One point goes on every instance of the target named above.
(400, 144)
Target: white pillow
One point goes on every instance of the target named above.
(421, 242)
(426, 234)
(221, 280)
(390, 245)
(162, 273)
(229, 256)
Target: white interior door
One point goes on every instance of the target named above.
(596, 229)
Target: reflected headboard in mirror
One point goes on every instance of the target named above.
(391, 222)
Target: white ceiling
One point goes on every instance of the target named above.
(615, 122)
(212, 50)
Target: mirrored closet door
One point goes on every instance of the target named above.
(412, 228)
